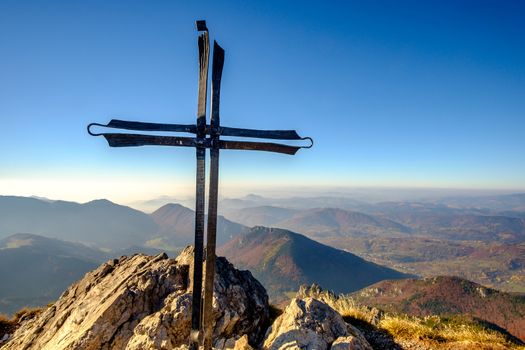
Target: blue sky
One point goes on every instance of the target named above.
(395, 93)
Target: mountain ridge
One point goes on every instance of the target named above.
(100, 222)
(177, 226)
(283, 260)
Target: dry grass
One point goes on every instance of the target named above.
(9, 324)
(402, 327)
(437, 328)
(346, 306)
(27, 313)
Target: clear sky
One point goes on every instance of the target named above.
(395, 93)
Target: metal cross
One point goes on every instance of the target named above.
(207, 136)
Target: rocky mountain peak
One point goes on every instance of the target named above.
(144, 302)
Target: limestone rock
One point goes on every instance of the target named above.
(309, 324)
(144, 302)
(350, 342)
(233, 344)
(242, 344)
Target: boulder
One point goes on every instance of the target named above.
(311, 324)
(144, 302)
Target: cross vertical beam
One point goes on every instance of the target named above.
(218, 63)
(204, 53)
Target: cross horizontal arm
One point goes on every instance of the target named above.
(223, 131)
(130, 140)
(259, 146)
(261, 134)
(143, 126)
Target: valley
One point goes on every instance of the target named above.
(283, 261)
(366, 251)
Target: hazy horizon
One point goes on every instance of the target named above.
(364, 194)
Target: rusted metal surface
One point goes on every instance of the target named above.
(260, 146)
(204, 53)
(211, 238)
(261, 134)
(206, 137)
(131, 140)
(192, 129)
(135, 140)
(143, 126)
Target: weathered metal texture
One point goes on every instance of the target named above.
(201, 143)
(144, 126)
(218, 63)
(261, 134)
(189, 128)
(204, 53)
(130, 140)
(260, 146)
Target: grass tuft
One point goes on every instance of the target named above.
(9, 324)
(27, 313)
(443, 330)
(346, 306)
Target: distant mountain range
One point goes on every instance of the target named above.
(228, 205)
(106, 225)
(484, 241)
(261, 215)
(389, 219)
(498, 203)
(438, 220)
(283, 260)
(325, 222)
(374, 202)
(478, 241)
(319, 222)
(100, 223)
(448, 296)
(177, 226)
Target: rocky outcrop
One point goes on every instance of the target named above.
(144, 302)
(311, 324)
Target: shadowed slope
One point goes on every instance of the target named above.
(283, 260)
(35, 270)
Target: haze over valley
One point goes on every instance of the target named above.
(47, 244)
